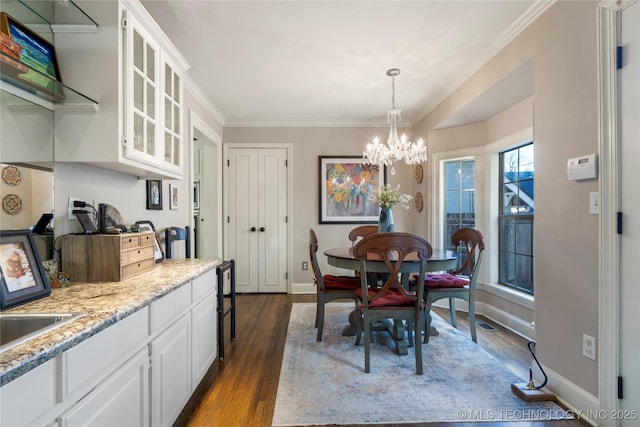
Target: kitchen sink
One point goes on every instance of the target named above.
(18, 328)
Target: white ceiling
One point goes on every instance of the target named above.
(323, 63)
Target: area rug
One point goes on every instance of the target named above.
(323, 383)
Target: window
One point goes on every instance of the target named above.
(460, 198)
(516, 218)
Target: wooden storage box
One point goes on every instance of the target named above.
(107, 257)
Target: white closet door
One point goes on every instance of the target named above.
(630, 198)
(272, 218)
(242, 214)
(256, 218)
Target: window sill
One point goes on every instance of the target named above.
(509, 294)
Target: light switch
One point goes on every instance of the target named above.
(594, 203)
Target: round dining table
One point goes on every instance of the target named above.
(440, 260)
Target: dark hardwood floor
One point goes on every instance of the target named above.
(241, 390)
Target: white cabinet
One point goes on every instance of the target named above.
(205, 324)
(170, 372)
(28, 397)
(137, 75)
(94, 359)
(172, 115)
(121, 400)
(142, 90)
(140, 371)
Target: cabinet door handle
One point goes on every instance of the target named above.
(253, 229)
(262, 228)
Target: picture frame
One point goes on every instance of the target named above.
(22, 276)
(146, 225)
(345, 184)
(154, 194)
(38, 54)
(174, 197)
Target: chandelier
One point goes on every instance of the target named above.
(397, 148)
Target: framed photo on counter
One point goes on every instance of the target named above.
(22, 277)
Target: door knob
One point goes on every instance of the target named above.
(262, 228)
(253, 229)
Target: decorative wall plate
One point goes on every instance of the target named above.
(419, 173)
(12, 204)
(11, 175)
(419, 202)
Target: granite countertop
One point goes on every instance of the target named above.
(102, 305)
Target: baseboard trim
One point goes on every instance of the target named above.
(505, 319)
(302, 289)
(584, 405)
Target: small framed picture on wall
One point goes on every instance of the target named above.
(154, 194)
(174, 197)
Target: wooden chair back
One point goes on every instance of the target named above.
(394, 248)
(470, 244)
(362, 231)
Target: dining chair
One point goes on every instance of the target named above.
(392, 300)
(358, 233)
(362, 231)
(328, 287)
(172, 234)
(459, 283)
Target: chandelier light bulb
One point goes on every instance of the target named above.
(397, 148)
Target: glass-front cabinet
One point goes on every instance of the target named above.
(153, 101)
(142, 74)
(172, 116)
(138, 74)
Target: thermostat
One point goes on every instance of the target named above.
(583, 167)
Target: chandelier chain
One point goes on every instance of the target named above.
(393, 92)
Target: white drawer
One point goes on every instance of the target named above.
(204, 284)
(169, 307)
(84, 365)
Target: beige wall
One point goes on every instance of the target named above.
(562, 45)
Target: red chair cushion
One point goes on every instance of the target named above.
(444, 280)
(340, 282)
(391, 298)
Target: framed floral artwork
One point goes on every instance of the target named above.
(345, 186)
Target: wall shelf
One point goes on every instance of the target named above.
(45, 17)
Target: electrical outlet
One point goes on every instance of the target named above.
(305, 266)
(589, 346)
(71, 207)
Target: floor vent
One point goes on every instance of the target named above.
(486, 326)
